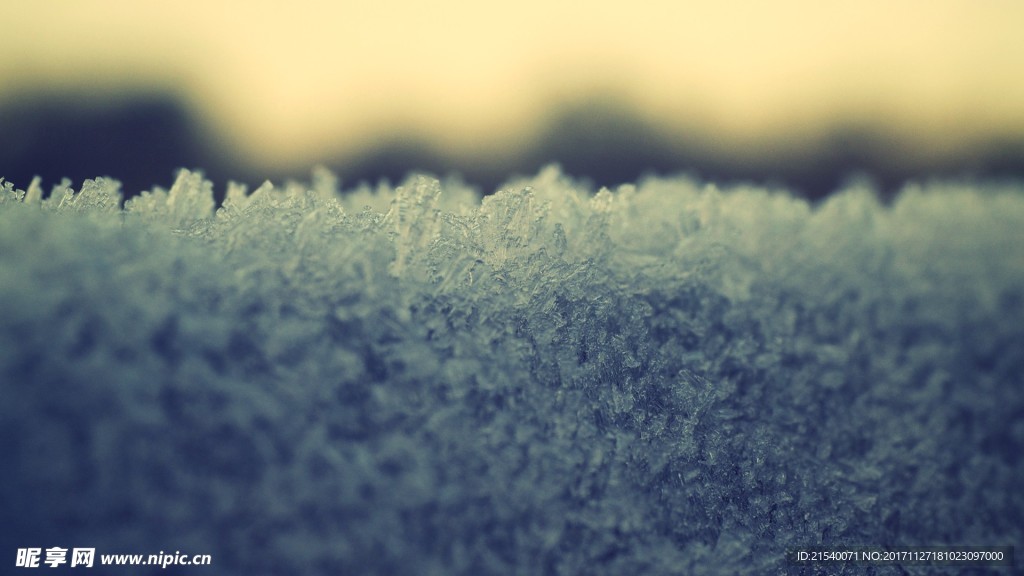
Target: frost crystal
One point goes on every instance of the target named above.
(667, 378)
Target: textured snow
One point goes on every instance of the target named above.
(667, 378)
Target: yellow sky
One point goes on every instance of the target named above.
(285, 80)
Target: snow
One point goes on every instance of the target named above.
(668, 378)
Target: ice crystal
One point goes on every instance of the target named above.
(668, 378)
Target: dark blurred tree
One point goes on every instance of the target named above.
(140, 140)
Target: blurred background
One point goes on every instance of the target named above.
(801, 93)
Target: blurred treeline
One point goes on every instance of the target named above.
(143, 139)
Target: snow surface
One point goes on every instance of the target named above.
(664, 379)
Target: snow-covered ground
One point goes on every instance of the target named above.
(666, 378)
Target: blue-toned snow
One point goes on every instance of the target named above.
(663, 379)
